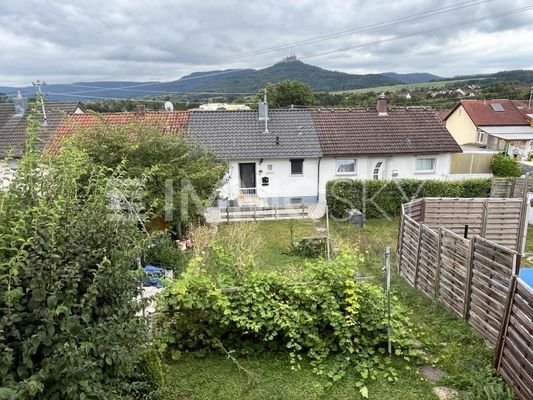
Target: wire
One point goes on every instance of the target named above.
(414, 17)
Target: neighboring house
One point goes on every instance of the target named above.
(279, 166)
(13, 127)
(292, 158)
(170, 121)
(383, 143)
(497, 125)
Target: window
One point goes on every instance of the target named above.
(376, 174)
(269, 167)
(480, 138)
(346, 167)
(297, 167)
(296, 200)
(425, 164)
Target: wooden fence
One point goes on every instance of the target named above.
(499, 220)
(474, 277)
(273, 212)
(511, 187)
(514, 357)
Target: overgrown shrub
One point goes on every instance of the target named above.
(329, 318)
(382, 198)
(505, 166)
(309, 247)
(68, 279)
(148, 376)
(162, 252)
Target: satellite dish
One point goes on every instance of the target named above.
(169, 106)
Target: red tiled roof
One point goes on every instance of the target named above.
(442, 114)
(482, 114)
(523, 107)
(172, 121)
(361, 131)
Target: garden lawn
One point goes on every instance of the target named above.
(450, 343)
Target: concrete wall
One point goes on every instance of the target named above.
(461, 126)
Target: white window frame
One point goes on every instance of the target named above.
(352, 160)
(425, 171)
(481, 137)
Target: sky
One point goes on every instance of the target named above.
(72, 41)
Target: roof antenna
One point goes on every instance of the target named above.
(40, 97)
(263, 111)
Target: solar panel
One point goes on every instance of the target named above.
(497, 107)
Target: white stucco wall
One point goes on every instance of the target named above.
(283, 186)
(393, 167)
(281, 183)
(7, 169)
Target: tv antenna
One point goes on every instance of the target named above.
(40, 97)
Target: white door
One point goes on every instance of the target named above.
(378, 168)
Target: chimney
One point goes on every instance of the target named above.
(382, 105)
(21, 104)
(140, 111)
(263, 111)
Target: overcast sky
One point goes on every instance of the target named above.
(67, 41)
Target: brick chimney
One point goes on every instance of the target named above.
(382, 105)
(140, 111)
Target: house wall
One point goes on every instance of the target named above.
(282, 186)
(461, 126)
(394, 167)
(7, 172)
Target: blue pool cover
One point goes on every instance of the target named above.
(527, 275)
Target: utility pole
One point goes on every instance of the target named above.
(40, 97)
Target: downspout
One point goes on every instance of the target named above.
(318, 181)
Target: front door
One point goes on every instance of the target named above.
(247, 175)
(378, 169)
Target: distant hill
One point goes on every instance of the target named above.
(226, 81)
(416, 77)
(249, 81)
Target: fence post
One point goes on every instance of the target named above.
(400, 241)
(276, 211)
(437, 270)
(468, 283)
(484, 218)
(511, 190)
(255, 208)
(227, 213)
(522, 232)
(500, 344)
(417, 265)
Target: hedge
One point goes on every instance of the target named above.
(378, 199)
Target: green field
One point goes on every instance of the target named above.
(406, 86)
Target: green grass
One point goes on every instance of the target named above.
(448, 341)
(529, 240)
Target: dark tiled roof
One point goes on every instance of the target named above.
(170, 121)
(240, 134)
(13, 128)
(402, 131)
(482, 114)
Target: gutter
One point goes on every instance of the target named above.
(318, 181)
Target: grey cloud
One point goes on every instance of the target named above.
(62, 41)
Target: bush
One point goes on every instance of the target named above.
(309, 247)
(385, 198)
(163, 253)
(329, 318)
(68, 279)
(148, 377)
(505, 166)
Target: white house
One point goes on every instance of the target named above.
(290, 157)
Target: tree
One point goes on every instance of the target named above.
(173, 170)
(68, 282)
(505, 166)
(286, 93)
